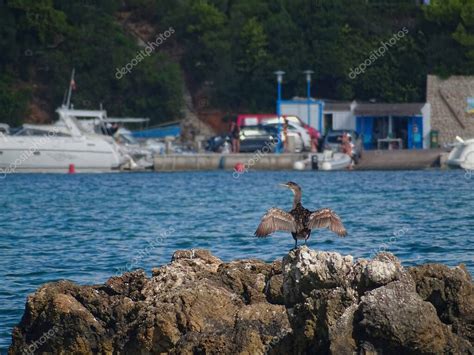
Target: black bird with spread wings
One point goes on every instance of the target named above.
(299, 221)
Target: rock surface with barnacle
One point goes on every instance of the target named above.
(310, 302)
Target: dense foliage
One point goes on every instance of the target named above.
(229, 50)
(42, 40)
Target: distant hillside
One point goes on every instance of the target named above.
(42, 40)
(137, 56)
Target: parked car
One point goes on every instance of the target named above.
(253, 138)
(333, 141)
(302, 137)
(219, 144)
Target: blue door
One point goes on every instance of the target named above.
(415, 132)
(365, 126)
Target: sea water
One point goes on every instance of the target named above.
(86, 228)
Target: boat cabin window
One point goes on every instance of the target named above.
(39, 132)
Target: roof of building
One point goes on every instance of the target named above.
(331, 105)
(384, 109)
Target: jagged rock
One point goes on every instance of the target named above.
(339, 306)
(311, 302)
(306, 270)
(451, 292)
(383, 269)
(197, 303)
(246, 278)
(368, 274)
(340, 339)
(274, 287)
(316, 319)
(396, 320)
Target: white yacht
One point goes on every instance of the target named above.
(4, 128)
(139, 154)
(56, 147)
(462, 155)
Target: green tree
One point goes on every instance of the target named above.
(46, 39)
(13, 102)
(450, 36)
(39, 18)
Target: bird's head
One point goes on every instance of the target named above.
(292, 186)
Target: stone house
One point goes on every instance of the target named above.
(448, 99)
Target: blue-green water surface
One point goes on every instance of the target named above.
(86, 227)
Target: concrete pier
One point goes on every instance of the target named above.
(211, 161)
(371, 160)
(412, 159)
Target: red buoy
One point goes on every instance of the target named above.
(72, 169)
(239, 167)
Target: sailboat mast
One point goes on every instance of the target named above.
(69, 93)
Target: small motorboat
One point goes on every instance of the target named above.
(334, 161)
(327, 161)
(462, 155)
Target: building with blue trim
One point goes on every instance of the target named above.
(382, 125)
(409, 123)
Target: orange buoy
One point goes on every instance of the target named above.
(239, 167)
(72, 169)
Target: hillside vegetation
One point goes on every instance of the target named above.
(225, 50)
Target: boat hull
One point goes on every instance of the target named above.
(462, 156)
(339, 161)
(326, 162)
(46, 154)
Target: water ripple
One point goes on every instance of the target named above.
(86, 227)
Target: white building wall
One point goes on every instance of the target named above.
(342, 120)
(301, 110)
(426, 112)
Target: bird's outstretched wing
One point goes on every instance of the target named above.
(275, 219)
(327, 218)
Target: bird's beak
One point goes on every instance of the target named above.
(283, 185)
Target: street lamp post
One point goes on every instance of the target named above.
(279, 74)
(308, 91)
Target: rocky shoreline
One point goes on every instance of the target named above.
(311, 302)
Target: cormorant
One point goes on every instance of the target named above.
(299, 221)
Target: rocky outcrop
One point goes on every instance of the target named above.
(451, 292)
(310, 302)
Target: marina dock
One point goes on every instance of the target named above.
(371, 160)
(210, 161)
(411, 159)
